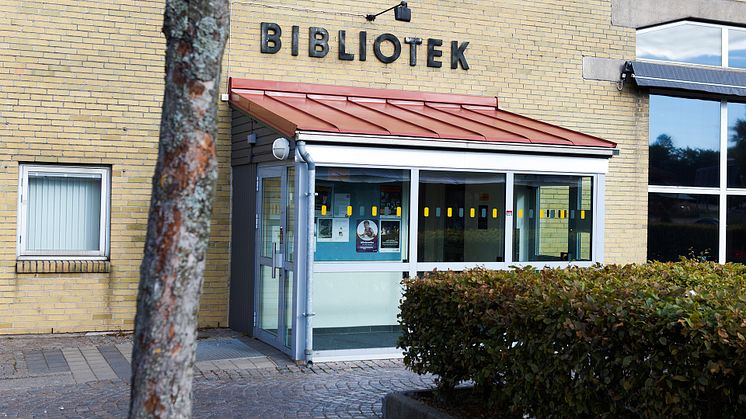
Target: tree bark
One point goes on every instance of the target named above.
(173, 263)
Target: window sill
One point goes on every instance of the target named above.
(62, 266)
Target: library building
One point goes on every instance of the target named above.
(363, 143)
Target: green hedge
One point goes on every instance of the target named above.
(655, 340)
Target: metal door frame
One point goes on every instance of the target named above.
(277, 339)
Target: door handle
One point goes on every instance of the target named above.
(274, 260)
(277, 260)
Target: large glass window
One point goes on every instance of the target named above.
(461, 217)
(64, 211)
(736, 145)
(736, 230)
(685, 43)
(361, 214)
(553, 218)
(682, 224)
(684, 141)
(737, 48)
(356, 310)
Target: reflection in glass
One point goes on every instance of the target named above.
(271, 213)
(736, 230)
(736, 48)
(288, 309)
(356, 310)
(553, 218)
(361, 214)
(269, 294)
(290, 216)
(685, 43)
(461, 217)
(684, 141)
(682, 225)
(736, 145)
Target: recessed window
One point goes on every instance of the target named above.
(736, 145)
(63, 211)
(737, 48)
(684, 141)
(691, 43)
(682, 225)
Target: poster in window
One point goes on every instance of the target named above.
(390, 199)
(325, 231)
(324, 197)
(366, 240)
(390, 236)
(341, 202)
(333, 230)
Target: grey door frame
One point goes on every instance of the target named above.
(275, 340)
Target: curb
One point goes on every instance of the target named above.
(401, 405)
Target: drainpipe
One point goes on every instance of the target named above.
(301, 147)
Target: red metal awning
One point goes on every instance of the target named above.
(301, 107)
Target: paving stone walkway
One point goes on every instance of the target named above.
(235, 376)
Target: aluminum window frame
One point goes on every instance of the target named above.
(413, 266)
(104, 172)
(722, 191)
(416, 160)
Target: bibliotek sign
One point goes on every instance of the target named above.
(318, 46)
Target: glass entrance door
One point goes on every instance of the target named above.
(273, 296)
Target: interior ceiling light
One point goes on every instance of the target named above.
(401, 12)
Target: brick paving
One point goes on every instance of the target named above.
(88, 377)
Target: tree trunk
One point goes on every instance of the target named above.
(181, 205)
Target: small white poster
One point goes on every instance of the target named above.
(333, 230)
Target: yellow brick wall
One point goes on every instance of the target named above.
(527, 53)
(81, 82)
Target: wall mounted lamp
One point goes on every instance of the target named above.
(401, 12)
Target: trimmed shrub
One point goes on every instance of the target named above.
(655, 340)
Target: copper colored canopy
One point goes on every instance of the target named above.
(294, 107)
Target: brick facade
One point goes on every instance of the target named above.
(81, 83)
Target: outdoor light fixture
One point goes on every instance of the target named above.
(401, 12)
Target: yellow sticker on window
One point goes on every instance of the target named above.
(398, 211)
(450, 212)
(472, 213)
(426, 211)
(374, 211)
(349, 210)
(494, 212)
(582, 214)
(323, 210)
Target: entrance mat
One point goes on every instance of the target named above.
(212, 350)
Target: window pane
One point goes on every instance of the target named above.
(361, 214)
(682, 225)
(271, 213)
(687, 43)
(684, 141)
(736, 230)
(736, 145)
(461, 217)
(553, 218)
(356, 310)
(736, 48)
(290, 216)
(64, 212)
